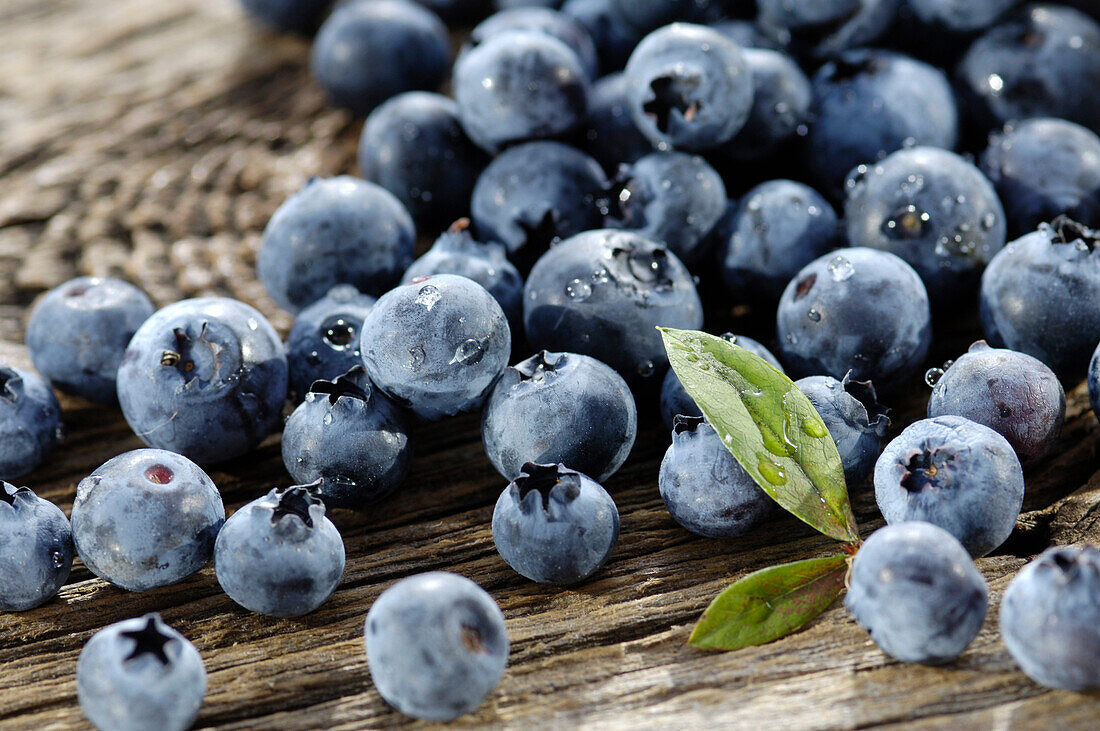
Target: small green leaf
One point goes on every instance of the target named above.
(770, 603)
(769, 426)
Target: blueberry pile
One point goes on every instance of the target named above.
(847, 175)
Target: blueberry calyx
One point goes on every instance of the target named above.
(923, 470)
(640, 266)
(1067, 231)
(672, 94)
(682, 423)
(192, 361)
(8, 492)
(353, 384)
(9, 377)
(804, 285)
(297, 501)
(555, 480)
(535, 367)
(149, 640)
(877, 415)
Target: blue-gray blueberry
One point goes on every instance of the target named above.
(954, 473)
(140, 675)
(823, 323)
(1050, 618)
(79, 330)
(339, 230)
(279, 555)
(436, 645)
(602, 293)
(370, 50)
(1012, 393)
(1041, 296)
(146, 518)
(559, 407)
(350, 437)
(436, 345)
(704, 488)
(690, 87)
(36, 549)
(324, 339)
(204, 377)
(916, 590)
(933, 209)
(30, 421)
(554, 525)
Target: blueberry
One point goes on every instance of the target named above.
(671, 197)
(560, 407)
(36, 549)
(703, 486)
(324, 340)
(933, 209)
(870, 103)
(614, 37)
(954, 473)
(30, 421)
(457, 252)
(279, 555)
(1041, 296)
(539, 20)
(1045, 167)
(777, 228)
(146, 518)
(370, 50)
(675, 400)
(554, 525)
(690, 87)
(350, 437)
(335, 231)
(824, 27)
(204, 377)
(1044, 61)
(780, 106)
(1012, 393)
(532, 195)
(414, 147)
(78, 331)
(611, 137)
(436, 345)
(824, 328)
(855, 419)
(436, 645)
(296, 16)
(918, 593)
(603, 293)
(140, 675)
(1050, 618)
(518, 86)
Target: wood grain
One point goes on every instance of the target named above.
(152, 140)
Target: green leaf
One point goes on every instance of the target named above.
(770, 603)
(769, 426)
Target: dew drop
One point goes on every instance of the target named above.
(469, 352)
(416, 355)
(646, 368)
(428, 295)
(840, 269)
(814, 315)
(932, 376)
(578, 290)
(772, 472)
(814, 428)
(327, 419)
(58, 559)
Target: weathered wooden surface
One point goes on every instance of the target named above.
(153, 140)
